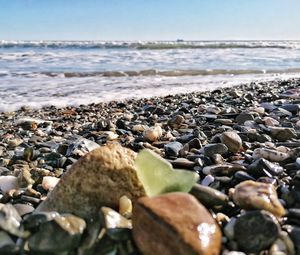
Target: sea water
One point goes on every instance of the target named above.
(39, 73)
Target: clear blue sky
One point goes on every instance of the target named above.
(149, 19)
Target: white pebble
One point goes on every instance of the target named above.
(298, 161)
(8, 182)
(153, 133)
(207, 180)
(49, 182)
(269, 154)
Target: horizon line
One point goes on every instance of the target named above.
(139, 40)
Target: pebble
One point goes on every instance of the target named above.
(155, 220)
(270, 122)
(216, 148)
(8, 183)
(255, 231)
(24, 209)
(283, 134)
(60, 234)
(153, 133)
(208, 196)
(251, 195)
(208, 179)
(269, 154)
(241, 118)
(263, 167)
(223, 169)
(232, 140)
(172, 149)
(49, 182)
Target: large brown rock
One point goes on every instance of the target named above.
(251, 195)
(98, 179)
(175, 223)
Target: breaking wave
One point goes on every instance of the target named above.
(151, 45)
(149, 72)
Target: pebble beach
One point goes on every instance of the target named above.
(243, 143)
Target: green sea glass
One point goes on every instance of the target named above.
(158, 176)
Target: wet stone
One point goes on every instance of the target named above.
(240, 119)
(243, 176)
(158, 220)
(195, 143)
(255, 231)
(232, 140)
(223, 169)
(182, 163)
(216, 148)
(62, 233)
(208, 196)
(7, 245)
(294, 233)
(263, 167)
(172, 149)
(270, 154)
(251, 195)
(283, 134)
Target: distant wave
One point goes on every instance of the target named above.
(151, 45)
(148, 72)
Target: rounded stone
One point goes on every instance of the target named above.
(251, 195)
(232, 140)
(159, 221)
(255, 231)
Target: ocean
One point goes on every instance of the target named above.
(39, 73)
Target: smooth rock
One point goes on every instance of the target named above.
(173, 148)
(294, 233)
(283, 134)
(208, 179)
(251, 195)
(270, 122)
(208, 196)
(49, 182)
(232, 140)
(63, 233)
(215, 148)
(14, 142)
(10, 220)
(23, 209)
(195, 143)
(159, 221)
(255, 231)
(113, 219)
(7, 245)
(153, 133)
(263, 167)
(8, 182)
(223, 169)
(240, 119)
(98, 179)
(270, 154)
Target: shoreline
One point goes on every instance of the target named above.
(249, 132)
(242, 85)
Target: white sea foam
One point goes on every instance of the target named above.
(71, 73)
(75, 91)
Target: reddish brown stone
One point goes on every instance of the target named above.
(175, 223)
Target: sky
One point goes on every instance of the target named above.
(149, 19)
